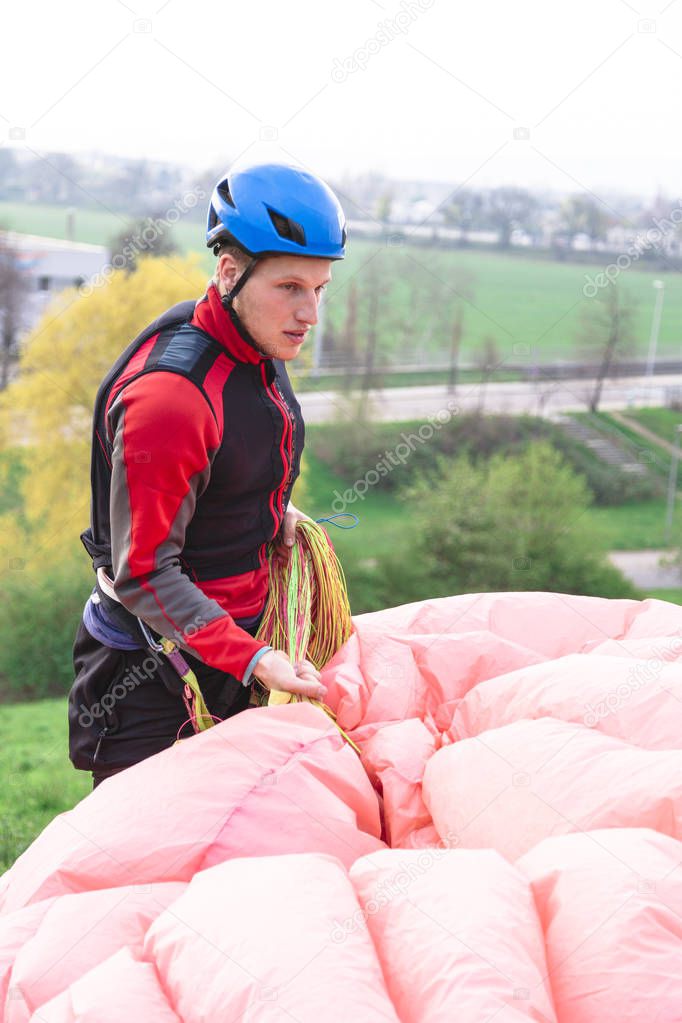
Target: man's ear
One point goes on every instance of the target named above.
(229, 271)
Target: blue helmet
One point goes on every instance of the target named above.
(271, 208)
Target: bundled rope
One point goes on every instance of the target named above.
(307, 614)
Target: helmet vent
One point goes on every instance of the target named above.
(224, 193)
(286, 228)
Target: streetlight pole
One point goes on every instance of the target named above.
(672, 484)
(655, 324)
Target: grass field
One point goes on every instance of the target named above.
(631, 527)
(383, 525)
(672, 596)
(661, 421)
(517, 301)
(402, 378)
(530, 307)
(95, 226)
(38, 781)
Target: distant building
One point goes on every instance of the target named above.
(50, 265)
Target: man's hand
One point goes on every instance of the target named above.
(287, 533)
(275, 671)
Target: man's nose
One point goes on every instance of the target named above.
(307, 310)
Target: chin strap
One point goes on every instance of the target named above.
(228, 299)
(238, 325)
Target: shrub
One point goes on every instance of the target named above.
(502, 524)
(352, 446)
(38, 620)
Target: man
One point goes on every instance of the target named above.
(197, 438)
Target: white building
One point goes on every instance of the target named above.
(52, 264)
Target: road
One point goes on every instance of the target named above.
(547, 398)
(643, 568)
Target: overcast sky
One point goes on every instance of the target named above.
(563, 95)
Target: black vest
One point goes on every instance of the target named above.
(236, 516)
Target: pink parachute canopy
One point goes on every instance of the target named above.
(507, 847)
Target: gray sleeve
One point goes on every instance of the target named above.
(164, 441)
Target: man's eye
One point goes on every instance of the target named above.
(290, 287)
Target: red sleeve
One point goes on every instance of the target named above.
(164, 440)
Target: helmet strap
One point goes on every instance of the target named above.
(240, 328)
(229, 298)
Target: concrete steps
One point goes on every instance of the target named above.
(612, 450)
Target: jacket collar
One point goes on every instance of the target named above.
(210, 316)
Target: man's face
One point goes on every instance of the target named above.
(279, 302)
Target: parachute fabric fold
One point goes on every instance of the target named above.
(169, 816)
(520, 752)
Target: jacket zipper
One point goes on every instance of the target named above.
(100, 735)
(292, 432)
(288, 434)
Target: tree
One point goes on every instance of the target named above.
(509, 208)
(410, 321)
(456, 292)
(465, 211)
(487, 360)
(383, 208)
(506, 523)
(350, 333)
(455, 347)
(606, 334)
(580, 214)
(661, 244)
(368, 317)
(146, 236)
(437, 294)
(48, 408)
(375, 290)
(13, 288)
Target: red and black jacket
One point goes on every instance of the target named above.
(197, 440)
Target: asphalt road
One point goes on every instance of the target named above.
(643, 568)
(548, 398)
